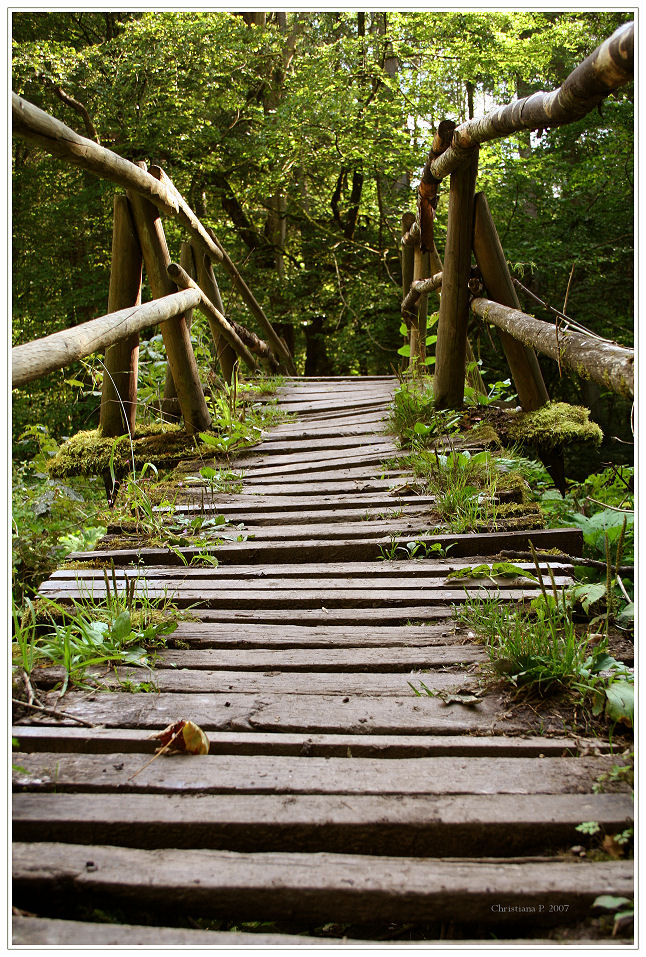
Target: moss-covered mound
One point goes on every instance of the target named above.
(89, 453)
(555, 425)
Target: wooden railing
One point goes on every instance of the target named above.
(471, 230)
(138, 240)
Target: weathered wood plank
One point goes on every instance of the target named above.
(35, 931)
(77, 739)
(386, 681)
(40, 931)
(425, 570)
(184, 594)
(397, 825)
(567, 540)
(258, 774)
(310, 886)
(309, 713)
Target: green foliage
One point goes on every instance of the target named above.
(44, 512)
(88, 635)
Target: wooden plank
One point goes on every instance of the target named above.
(309, 713)
(367, 617)
(310, 886)
(259, 774)
(386, 681)
(426, 570)
(219, 663)
(36, 931)
(256, 457)
(238, 504)
(378, 588)
(396, 825)
(39, 932)
(77, 739)
(567, 540)
(267, 599)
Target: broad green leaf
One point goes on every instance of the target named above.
(621, 702)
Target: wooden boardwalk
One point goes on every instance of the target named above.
(332, 794)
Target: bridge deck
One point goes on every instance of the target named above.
(332, 794)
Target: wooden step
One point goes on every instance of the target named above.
(395, 825)
(314, 887)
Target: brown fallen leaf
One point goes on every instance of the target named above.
(181, 737)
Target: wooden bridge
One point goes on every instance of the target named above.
(332, 793)
(335, 797)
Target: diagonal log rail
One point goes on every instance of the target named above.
(607, 363)
(34, 359)
(33, 124)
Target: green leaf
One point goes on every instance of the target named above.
(122, 627)
(620, 706)
(610, 902)
(403, 329)
(588, 594)
(404, 351)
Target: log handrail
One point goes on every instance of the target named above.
(608, 67)
(607, 363)
(33, 359)
(35, 125)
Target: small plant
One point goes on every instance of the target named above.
(623, 910)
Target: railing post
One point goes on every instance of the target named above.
(408, 270)
(522, 360)
(450, 350)
(119, 393)
(421, 270)
(175, 333)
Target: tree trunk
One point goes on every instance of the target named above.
(607, 363)
(119, 394)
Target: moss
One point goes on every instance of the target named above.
(512, 487)
(90, 453)
(485, 434)
(555, 425)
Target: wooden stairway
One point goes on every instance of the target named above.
(332, 795)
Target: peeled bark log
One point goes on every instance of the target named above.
(408, 267)
(218, 323)
(37, 358)
(450, 349)
(208, 284)
(119, 393)
(607, 363)
(417, 289)
(607, 68)
(427, 190)
(490, 257)
(422, 267)
(60, 140)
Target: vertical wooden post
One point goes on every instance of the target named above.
(187, 262)
(408, 270)
(450, 349)
(421, 270)
(208, 284)
(119, 393)
(523, 364)
(177, 340)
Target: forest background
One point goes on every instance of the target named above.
(300, 137)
